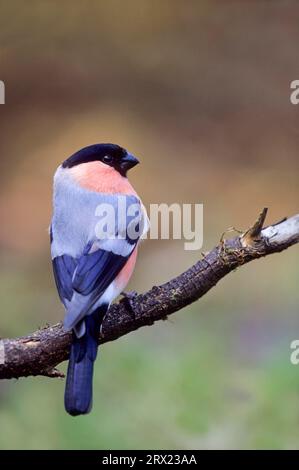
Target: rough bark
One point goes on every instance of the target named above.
(40, 352)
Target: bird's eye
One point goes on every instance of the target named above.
(107, 159)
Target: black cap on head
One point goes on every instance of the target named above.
(110, 154)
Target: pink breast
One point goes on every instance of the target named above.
(125, 274)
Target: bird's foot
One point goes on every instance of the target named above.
(128, 300)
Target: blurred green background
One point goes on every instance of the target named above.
(200, 92)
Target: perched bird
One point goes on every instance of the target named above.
(93, 257)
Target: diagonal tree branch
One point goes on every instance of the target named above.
(40, 352)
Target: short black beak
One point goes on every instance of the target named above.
(128, 162)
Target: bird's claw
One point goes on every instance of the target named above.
(128, 298)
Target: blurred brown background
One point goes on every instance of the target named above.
(199, 91)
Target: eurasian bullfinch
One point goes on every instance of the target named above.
(92, 266)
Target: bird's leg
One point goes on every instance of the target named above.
(128, 300)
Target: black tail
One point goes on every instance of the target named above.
(78, 388)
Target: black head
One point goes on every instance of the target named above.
(110, 154)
